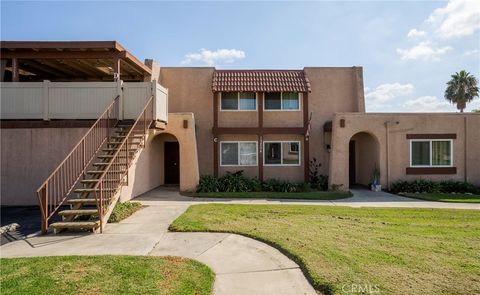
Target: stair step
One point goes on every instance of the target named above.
(85, 190)
(82, 201)
(76, 224)
(96, 180)
(120, 142)
(106, 163)
(91, 189)
(110, 156)
(101, 171)
(78, 212)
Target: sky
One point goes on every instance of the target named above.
(408, 49)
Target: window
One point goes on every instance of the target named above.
(282, 101)
(242, 153)
(245, 101)
(285, 153)
(430, 153)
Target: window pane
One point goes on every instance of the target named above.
(441, 153)
(290, 153)
(229, 100)
(248, 153)
(247, 101)
(273, 153)
(273, 101)
(290, 101)
(420, 153)
(229, 153)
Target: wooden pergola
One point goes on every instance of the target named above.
(69, 61)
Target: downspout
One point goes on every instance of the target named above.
(466, 148)
(387, 130)
(388, 152)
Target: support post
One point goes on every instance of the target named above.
(15, 70)
(261, 99)
(116, 69)
(216, 97)
(306, 145)
(44, 223)
(46, 100)
(120, 99)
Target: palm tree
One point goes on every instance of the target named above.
(462, 88)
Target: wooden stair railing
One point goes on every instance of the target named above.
(61, 182)
(111, 180)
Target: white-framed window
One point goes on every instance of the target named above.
(238, 101)
(281, 101)
(431, 153)
(238, 153)
(281, 153)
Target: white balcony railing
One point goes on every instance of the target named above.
(78, 100)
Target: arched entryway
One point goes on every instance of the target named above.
(363, 158)
(168, 149)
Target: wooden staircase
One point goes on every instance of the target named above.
(84, 191)
(83, 211)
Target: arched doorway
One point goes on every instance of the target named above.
(169, 154)
(363, 158)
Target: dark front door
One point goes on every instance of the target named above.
(172, 163)
(351, 162)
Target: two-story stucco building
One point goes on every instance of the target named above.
(196, 121)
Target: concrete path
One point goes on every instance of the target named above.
(361, 198)
(241, 265)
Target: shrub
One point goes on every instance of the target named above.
(255, 185)
(234, 182)
(208, 184)
(304, 187)
(429, 186)
(237, 182)
(449, 186)
(317, 180)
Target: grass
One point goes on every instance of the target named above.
(105, 275)
(398, 251)
(444, 197)
(314, 195)
(123, 210)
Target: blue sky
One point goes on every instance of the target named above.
(408, 49)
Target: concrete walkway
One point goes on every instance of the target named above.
(241, 265)
(361, 198)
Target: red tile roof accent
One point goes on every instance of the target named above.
(260, 80)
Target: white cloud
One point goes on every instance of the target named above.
(380, 95)
(210, 58)
(457, 19)
(424, 50)
(428, 104)
(415, 33)
(471, 52)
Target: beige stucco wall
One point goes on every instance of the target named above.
(147, 171)
(333, 90)
(465, 126)
(28, 156)
(190, 90)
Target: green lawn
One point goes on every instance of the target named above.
(400, 251)
(315, 195)
(104, 275)
(123, 210)
(442, 197)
